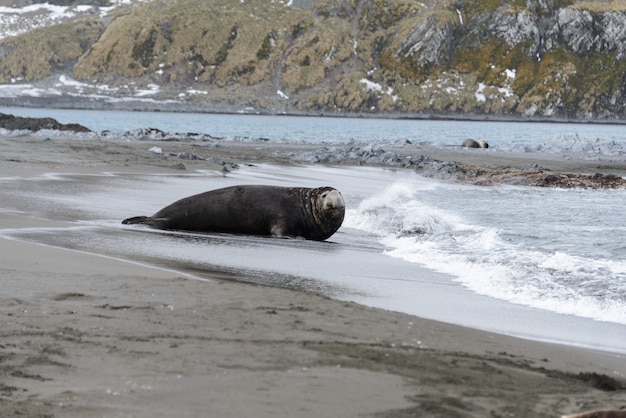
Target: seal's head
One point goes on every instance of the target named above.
(328, 209)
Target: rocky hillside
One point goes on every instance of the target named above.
(533, 58)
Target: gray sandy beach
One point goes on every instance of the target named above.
(97, 335)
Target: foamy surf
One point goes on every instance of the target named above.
(488, 261)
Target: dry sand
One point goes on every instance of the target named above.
(85, 335)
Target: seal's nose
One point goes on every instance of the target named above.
(333, 199)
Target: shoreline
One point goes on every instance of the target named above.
(87, 103)
(186, 339)
(94, 336)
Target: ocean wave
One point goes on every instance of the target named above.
(487, 263)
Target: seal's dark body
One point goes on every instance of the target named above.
(252, 210)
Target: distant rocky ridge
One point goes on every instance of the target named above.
(535, 59)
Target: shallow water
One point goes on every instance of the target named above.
(463, 254)
(566, 257)
(591, 141)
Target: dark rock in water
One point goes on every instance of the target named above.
(73, 127)
(471, 143)
(14, 123)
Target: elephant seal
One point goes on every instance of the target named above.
(314, 214)
(471, 143)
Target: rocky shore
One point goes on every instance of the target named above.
(485, 175)
(491, 169)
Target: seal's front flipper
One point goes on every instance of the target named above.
(159, 223)
(137, 220)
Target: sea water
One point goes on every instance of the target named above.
(541, 263)
(559, 250)
(591, 140)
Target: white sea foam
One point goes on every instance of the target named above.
(484, 261)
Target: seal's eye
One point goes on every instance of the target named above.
(324, 195)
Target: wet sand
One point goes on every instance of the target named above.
(86, 335)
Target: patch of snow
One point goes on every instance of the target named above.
(282, 95)
(152, 89)
(106, 88)
(505, 91)
(68, 81)
(330, 54)
(370, 86)
(17, 90)
(15, 21)
(67, 86)
(394, 97)
(480, 97)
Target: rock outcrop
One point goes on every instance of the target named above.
(17, 123)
